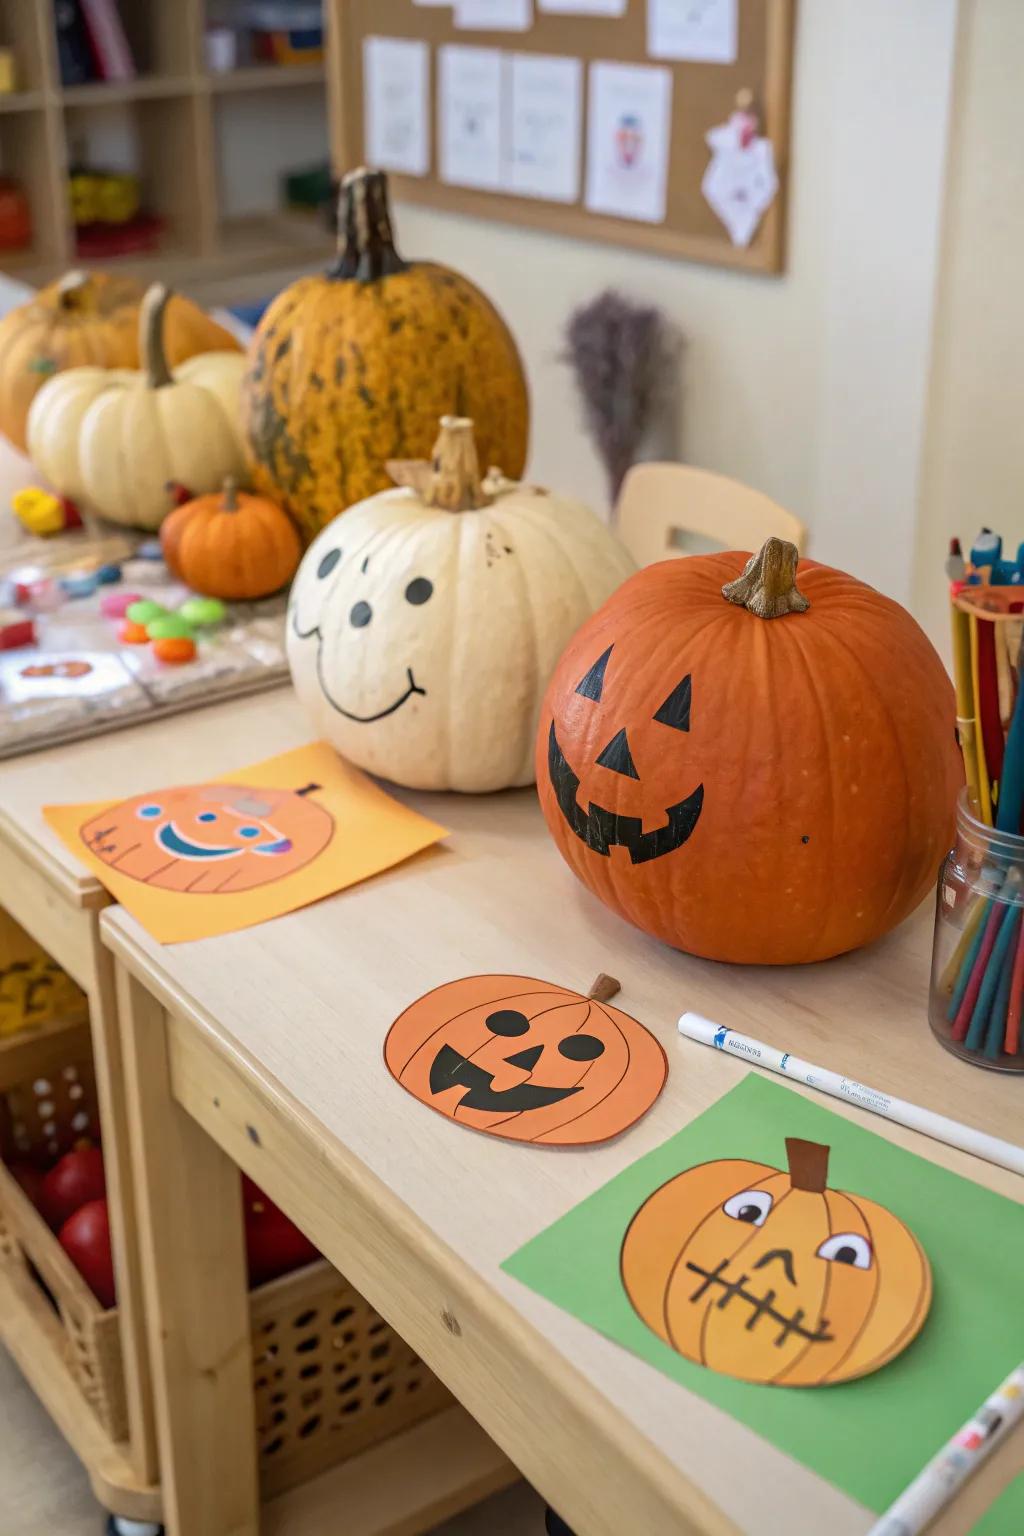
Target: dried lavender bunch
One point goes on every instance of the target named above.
(620, 353)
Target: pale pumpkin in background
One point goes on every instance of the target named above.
(423, 625)
(231, 545)
(111, 440)
(88, 320)
(353, 368)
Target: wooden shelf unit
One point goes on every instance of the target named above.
(172, 109)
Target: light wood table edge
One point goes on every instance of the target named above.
(489, 1356)
(81, 891)
(34, 1339)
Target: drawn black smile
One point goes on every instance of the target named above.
(763, 1306)
(450, 1069)
(381, 714)
(602, 830)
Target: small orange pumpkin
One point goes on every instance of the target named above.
(231, 545)
(527, 1060)
(751, 770)
(211, 839)
(88, 320)
(772, 1276)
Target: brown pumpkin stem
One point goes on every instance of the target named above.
(366, 241)
(151, 336)
(768, 586)
(308, 789)
(604, 988)
(230, 502)
(451, 478)
(808, 1165)
(74, 291)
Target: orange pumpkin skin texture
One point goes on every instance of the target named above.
(348, 371)
(761, 1302)
(526, 1060)
(88, 321)
(810, 762)
(210, 839)
(231, 545)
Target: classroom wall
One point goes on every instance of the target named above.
(811, 386)
(973, 469)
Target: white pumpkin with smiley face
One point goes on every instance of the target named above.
(424, 625)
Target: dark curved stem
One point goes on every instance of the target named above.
(366, 241)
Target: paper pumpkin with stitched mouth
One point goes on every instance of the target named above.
(425, 623)
(211, 839)
(774, 1277)
(750, 769)
(526, 1060)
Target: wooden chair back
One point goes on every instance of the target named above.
(662, 506)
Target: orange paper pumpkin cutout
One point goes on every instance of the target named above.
(526, 1060)
(772, 1277)
(211, 838)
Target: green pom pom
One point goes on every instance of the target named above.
(145, 611)
(169, 626)
(202, 611)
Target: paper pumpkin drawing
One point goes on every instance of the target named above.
(772, 1276)
(527, 1060)
(190, 861)
(211, 838)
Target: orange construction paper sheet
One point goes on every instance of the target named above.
(195, 860)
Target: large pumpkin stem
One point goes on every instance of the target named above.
(808, 1165)
(151, 336)
(451, 477)
(768, 585)
(230, 502)
(74, 291)
(366, 241)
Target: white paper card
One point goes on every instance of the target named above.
(470, 116)
(628, 140)
(396, 92)
(583, 7)
(546, 126)
(740, 182)
(702, 30)
(494, 15)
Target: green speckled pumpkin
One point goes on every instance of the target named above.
(353, 368)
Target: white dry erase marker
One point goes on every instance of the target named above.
(946, 1473)
(994, 1150)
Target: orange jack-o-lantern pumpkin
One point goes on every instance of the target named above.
(772, 1276)
(526, 1060)
(211, 839)
(751, 771)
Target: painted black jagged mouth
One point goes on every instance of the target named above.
(451, 1069)
(603, 830)
(762, 1305)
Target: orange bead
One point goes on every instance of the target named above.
(174, 650)
(133, 634)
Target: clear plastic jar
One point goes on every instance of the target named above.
(976, 1005)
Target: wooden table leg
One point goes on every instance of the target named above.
(192, 1254)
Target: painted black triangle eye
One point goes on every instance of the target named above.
(618, 757)
(676, 709)
(591, 685)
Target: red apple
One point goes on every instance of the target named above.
(85, 1238)
(274, 1245)
(72, 1181)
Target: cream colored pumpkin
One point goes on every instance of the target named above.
(111, 439)
(424, 624)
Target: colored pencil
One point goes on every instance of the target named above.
(984, 790)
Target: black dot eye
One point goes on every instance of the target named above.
(328, 563)
(360, 615)
(507, 1021)
(581, 1047)
(419, 590)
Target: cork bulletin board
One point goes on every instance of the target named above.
(703, 95)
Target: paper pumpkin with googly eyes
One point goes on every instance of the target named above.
(526, 1060)
(211, 839)
(773, 1277)
(423, 626)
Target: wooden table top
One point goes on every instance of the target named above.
(306, 1001)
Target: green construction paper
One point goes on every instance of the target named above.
(1004, 1517)
(869, 1437)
